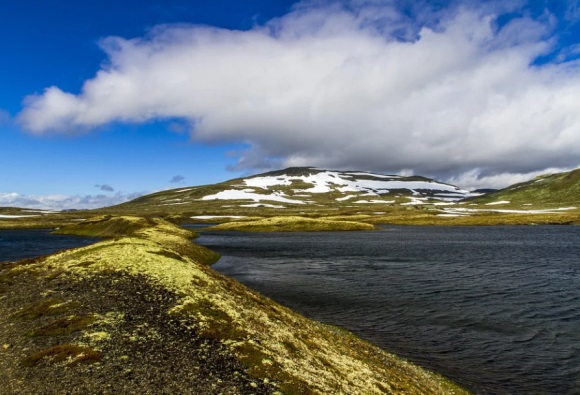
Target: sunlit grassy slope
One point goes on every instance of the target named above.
(88, 294)
(546, 191)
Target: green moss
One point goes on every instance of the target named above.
(168, 254)
(545, 191)
(72, 354)
(478, 219)
(203, 255)
(217, 324)
(106, 226)
(260, 365)
(274, 343)
(293, 224)
(290, 347)
(64, 326)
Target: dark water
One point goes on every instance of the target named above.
(497, 309)
(21, 244)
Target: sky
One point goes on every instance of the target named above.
(101, 102)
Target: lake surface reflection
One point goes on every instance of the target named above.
(497, 309)
(30, 243)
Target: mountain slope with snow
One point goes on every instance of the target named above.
(300, 189)
(326, 181)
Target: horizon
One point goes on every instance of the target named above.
(102, 103)
(61, 203)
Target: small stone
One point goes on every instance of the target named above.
(253, 385)
(6, 346)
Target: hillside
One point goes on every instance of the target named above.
(329, 195)
(144, 314)
(356, 196)
(297, 191)
(546, 191)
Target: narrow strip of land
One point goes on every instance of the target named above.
(142, 312)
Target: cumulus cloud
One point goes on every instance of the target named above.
(177, 179)
(356, 84)
(476, 179)
(105, 187)
(63, 202)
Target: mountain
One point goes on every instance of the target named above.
(298, 190)
(333, 195)
(484, 190)
(546, 191)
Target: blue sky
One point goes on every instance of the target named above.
(56, 43)
(100, 101)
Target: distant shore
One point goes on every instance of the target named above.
(272, 220)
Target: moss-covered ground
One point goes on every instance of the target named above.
(293, 224)
(143, 313)
(546, 191)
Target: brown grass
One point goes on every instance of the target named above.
(71, 354)
(64, 326)
(44, 308)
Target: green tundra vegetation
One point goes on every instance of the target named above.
(293, 224)
(545, 191)
(143, 312)
(549, 199)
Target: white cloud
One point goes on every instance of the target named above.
(336, 87)
(474, 179)
(63, 202)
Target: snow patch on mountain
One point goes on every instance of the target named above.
(310, 182)
(328, 181)
(233, 194)
(17, 216)
(342, 199)
(376, 201)
(360, 173)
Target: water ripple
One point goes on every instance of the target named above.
(495, 309)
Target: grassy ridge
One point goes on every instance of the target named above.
(479, 219)
(282, 351)
(293, 224)
(107, 226)
(548, 191)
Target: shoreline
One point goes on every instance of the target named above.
(279, 349)
(311, 221)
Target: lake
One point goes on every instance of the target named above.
(496, 309)
(30, 243)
